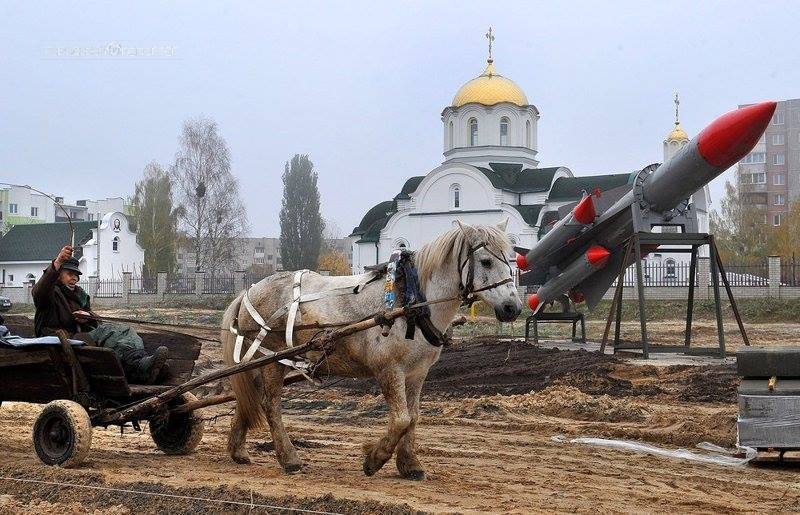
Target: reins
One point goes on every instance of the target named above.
(466, 296)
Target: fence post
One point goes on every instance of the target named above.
(703, 275)
(94, 285)
(161, 286)
(774, 269)
(199, 282)
(239, 279)
(126, 286)
(28, 293)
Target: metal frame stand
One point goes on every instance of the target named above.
(695, 240)
(573, 318)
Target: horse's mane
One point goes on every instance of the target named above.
(439, 252)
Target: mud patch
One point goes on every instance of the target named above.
(89, 495)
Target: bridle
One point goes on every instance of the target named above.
(468, 290)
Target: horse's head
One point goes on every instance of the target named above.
(484, 269)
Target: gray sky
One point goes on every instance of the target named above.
(360, 86)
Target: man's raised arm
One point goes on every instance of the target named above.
(43, 289)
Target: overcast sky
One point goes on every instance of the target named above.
(360, 86)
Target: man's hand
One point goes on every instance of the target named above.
(64, 254)
(81, 316)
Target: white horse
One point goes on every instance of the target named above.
(463, 260)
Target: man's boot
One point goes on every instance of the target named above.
(150, 367)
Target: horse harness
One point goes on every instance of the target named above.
(400, 268)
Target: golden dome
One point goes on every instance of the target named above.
(678, 134)
(490, 89)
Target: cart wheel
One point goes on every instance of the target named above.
(62, 434)
(177, 433)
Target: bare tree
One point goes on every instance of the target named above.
(214, 218)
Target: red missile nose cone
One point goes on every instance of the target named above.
(731, 136)
(533, 302)
(597, 256)
(584, 212)
(522, 262)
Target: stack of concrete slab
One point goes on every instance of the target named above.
(769, 397)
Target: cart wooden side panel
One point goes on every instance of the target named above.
(37, 374)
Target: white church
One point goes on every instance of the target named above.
(490, 172)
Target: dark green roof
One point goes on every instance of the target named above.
(530, 213)
(511, 177)
(409, 187)
(378, 215)
(41, 242)
(570, 188)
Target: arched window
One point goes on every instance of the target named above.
(670, 268)
(115, 244)
(528, 141)
(451, 142)
(504, 131)
(30, 278)
(400, 243)
(473, 132)
(455, 196)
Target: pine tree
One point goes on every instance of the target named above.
(301, 221)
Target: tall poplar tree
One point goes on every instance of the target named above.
(301, 221)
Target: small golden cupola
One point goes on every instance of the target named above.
(677, 134)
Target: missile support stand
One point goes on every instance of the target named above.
(695, 241)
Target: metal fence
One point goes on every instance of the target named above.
(147, 284)
(790, 273)
(748, 275)
(181, 284)
(219, 284)
(106, 288)
(677, 274)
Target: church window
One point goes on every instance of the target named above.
(456, 196)
(528, 142)
(670, 268)
(115, 244)
(473, 132)
(400, 243)
(504, 131)
(451, 141)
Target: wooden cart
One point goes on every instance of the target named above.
(79, 384)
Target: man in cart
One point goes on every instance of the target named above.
(62, 304)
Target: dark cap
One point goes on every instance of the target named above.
(71, 264)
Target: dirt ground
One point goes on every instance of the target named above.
(490, 409)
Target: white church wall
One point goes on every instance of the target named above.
(125, 256)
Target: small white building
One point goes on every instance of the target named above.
(104, 249)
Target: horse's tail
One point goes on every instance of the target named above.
(245, 386)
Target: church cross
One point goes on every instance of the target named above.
(490, 37)
(677, 103)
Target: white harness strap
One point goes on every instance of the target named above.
(291, 310)
(296, 299)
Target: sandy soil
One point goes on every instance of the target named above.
(490, 410)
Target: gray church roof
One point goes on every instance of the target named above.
(570, 188)
(512, 177)
(41, 242)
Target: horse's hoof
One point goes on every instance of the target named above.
(293, 468)
(414, 475)
(241, 460)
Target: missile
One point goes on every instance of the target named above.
(595, 258)
(721, 144)
(565, 229)
(563, 253)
